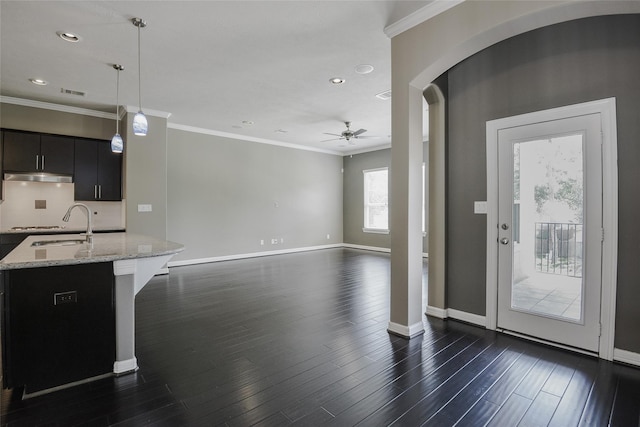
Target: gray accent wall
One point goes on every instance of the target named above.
(354, 165)
(563, 64)
(226, 195)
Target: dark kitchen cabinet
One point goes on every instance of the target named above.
(58, 325)
(98, 171)
(34, 152)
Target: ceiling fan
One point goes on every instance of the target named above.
(348, 134)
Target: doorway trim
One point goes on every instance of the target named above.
(607, 110)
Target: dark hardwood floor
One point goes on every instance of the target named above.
(301, 340)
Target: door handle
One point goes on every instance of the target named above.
(504, 241)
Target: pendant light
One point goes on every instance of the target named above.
(140, 126)
(117, 144)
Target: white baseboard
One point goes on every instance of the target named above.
(625, 356)
(406, 331)
(374, 248)
(475, 319)
(277, 252)
(251, 255)
(366, 248)
(124, 366)
(442, 313)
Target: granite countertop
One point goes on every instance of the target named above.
(62, 230)
(106, 247)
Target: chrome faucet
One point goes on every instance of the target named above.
(89, 232)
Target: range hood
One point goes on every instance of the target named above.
(38, 177)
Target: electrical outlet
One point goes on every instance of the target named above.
(261, 242)
(65, 297)
(328, 236)
(281, 240)
(145, 208)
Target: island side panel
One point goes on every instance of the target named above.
(60, 324)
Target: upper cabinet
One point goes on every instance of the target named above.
(98, 171)
(33, 152)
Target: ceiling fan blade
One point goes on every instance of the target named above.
(367, 137)
(333, 134)
(332, 139)
(359, 131)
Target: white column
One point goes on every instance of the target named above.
(405, 219)
(124, 272)
(437, 213)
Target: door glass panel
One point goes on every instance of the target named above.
(547, 227)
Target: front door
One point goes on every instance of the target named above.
(550, 230)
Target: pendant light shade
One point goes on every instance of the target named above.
(140, 125)
(117, 144)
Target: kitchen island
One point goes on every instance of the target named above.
(68, 311)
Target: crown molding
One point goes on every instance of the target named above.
(250, 139)
(419, 16)
(154, 113)
(56, 107)
(367, 150)
(122, 110)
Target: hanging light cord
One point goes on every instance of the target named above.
(118, 101)
(139, 71)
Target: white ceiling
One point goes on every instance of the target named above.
(214, 64)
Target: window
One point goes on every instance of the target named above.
(376, 200)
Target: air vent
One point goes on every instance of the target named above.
(384, 95)
(72, 92)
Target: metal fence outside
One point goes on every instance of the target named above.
(559, 248)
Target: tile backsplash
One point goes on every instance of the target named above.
(23, 201)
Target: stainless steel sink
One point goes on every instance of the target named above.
(61, 242)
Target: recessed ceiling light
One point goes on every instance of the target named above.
(337, 80)
(39, 82)
(68, 37)
(247, 122)
(280, 131)
(363, 69)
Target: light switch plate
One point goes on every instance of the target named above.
(480, 207)
(144, 208)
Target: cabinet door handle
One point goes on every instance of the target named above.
(42, 162)
(37, 161)
(99, 191)
(95, 191)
